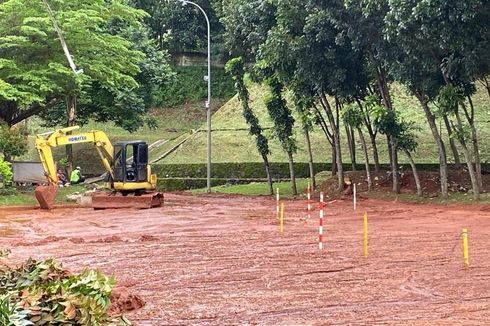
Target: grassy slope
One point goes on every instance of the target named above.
(238, 146)
(172, 124)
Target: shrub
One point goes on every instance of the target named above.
(13, 141)
(5, 173)
(44, 293)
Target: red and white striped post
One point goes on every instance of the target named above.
(277, 203)
(308, 196)
(320, 227)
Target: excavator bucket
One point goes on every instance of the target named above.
(116, 200)
(45, 196)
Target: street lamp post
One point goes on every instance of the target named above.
(208, 102)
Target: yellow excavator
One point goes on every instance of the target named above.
(129, 176)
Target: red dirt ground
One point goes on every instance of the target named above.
(221, 260)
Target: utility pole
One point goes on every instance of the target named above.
(208, 102)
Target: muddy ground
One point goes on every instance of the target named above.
(221, 260)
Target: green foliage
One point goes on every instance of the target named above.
(126, 105)
(188, 86)
(40, 293)
(11, 313)
(449, 99)
(352, 116)
(5, 172)
(182, 28)
(235, 67)
(281, 115)
(389, 122)
(13, 141)
(35, 75)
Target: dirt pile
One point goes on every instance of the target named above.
(123, 301)
(459, 181)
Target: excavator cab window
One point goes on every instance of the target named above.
(130, 162)
(142, 162)
(118, 163)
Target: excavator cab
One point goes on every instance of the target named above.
(130, 161)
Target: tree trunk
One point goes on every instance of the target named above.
(452, 144)
(366, 158)
(469, 161)
(338, 155)
(385, 95)
(486, 84)
(394, 165)
(474, 140)
(71, 109)
(268, 174)
(388, 142)
(334, 161)
(294, 191)
(310, 159)
(336, 139)
(375, 152)
(352, 150)
(415, 172)
(440, 144)
(372, 136)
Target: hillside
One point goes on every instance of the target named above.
(232, 143)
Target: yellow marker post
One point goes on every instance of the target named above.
(281, 225)
(365, 238)
(466, 256)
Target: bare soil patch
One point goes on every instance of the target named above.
(459, 181)
(217, 260)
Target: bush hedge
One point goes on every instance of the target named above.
(176, 177)
(250, 170)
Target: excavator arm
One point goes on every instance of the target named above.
(45, 143)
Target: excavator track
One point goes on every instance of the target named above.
(136, 201)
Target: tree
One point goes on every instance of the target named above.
(179, 28)
(303, 106)
(235, 67)
(34, 75)
(246, 25)
(449, 101)
(283, 124)
(353, 117)
(408, 144)
(126, 106)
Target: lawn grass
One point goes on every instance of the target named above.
(261, 188)
(18, 199)
(21, 198)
